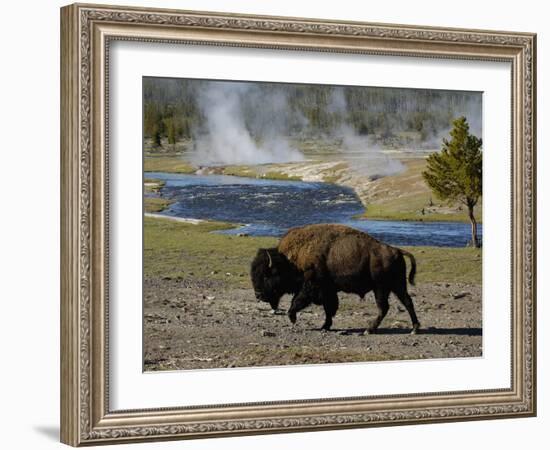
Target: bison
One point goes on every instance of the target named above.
(315, 262)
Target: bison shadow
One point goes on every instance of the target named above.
(430, 331)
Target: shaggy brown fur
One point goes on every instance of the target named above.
(328, 259)
(338, 249)
(307, 247)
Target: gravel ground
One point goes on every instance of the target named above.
(202, 324)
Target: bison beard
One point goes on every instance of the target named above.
(316, 262)
(273, 276)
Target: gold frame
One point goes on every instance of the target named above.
(86, 31)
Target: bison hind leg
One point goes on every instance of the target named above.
(381, 295)
(330, 304)
(407, 302)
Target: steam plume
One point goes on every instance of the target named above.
(363, 154)
(226, 138)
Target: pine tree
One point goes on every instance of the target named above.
(156, 138)
(171, 130)
(455, 173)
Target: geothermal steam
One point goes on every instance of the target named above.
(251, 123)
(361, 152)
(226, 138)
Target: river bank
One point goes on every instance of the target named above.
(267, 207)
(400, 196)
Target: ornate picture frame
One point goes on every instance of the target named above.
(86, 34)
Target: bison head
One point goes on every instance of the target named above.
(273, 276)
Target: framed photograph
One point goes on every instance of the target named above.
(275, 224)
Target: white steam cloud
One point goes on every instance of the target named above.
(361, 151)
(253, 123)
(226, 138)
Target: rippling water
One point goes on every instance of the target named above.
(271, 207)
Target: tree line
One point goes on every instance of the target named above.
(171, 109)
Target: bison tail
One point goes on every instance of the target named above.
(412, 273)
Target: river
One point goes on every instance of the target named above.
(271, 207)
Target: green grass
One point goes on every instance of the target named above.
(169, 164)
(255, 172)
(152, 185)
(174, 249)
(405, 195)
(450, 265)
(240, 171)
(409, 207)
(275, 175)
(155, 204)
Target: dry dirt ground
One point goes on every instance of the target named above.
(202, 324)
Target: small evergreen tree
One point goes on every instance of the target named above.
(455, 173)
(171, 130)
(156, 138)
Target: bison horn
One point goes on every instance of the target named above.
(270, 261)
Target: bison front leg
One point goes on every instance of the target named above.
(381, 296)
(300, 301)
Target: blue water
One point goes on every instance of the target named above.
(271, 207)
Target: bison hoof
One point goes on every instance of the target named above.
(292, 317)
(369, 331)
(415, 329)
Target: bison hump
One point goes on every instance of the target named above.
(308, 247)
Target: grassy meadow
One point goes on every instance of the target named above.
(174, 249)
(403, 196)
